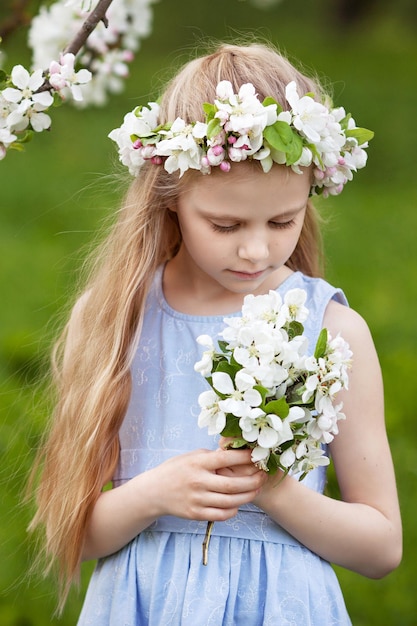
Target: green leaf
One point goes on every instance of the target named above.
(345, 121)
(225, 366)
(17, 146)
(362, 135)
(223, 346)
(237, 444)
(277, 407)
(58, 101)
(294, 394)
(321, 344)
(295, 329)
(232, 428)
(263, 391)
(210, 110)
(272, 464)
(283, 138)
(279, 135)
(213, 128)
(25, 137)
(269, 100)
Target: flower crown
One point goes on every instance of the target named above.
(239, 127)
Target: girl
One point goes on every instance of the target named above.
(220, 207)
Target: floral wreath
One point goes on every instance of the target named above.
(239, 127)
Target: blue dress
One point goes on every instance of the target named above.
(257, 574)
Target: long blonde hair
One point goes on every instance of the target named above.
(91, 364)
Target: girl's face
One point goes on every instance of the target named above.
(240, 228)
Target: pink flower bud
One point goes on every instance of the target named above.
(341, 161)
(215, 155)
(137, 144)
(128, 56)
(54, 67)
(318, 174)
(156, 160)
(232, 139)
(205, 161)
(217, 150)
(225, 166)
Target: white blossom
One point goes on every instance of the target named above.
(284, 399)
(6, 139)
(206, 364)
(62, 75)
(211, 416)
(180, 148)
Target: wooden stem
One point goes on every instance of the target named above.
(206, 541)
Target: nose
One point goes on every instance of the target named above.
(254, 248)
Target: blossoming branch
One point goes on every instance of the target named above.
(107, 35)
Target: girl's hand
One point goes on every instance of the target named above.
(206, 485)
(228, 443)
(200, 485)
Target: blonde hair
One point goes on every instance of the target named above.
(91, 363)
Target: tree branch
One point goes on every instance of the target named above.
(96, 16)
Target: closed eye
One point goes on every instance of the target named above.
(282, 225)
(224, 229)
(233, 227)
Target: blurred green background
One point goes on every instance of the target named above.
(55, 196)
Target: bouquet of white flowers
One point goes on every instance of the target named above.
(266, 392)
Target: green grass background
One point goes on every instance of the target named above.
(55, 196)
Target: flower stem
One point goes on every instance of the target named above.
(206, 541)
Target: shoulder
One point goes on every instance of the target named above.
(343, 320)
(318, 289)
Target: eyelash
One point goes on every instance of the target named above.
(231, 229)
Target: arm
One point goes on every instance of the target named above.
(362, 532)
(199, 485)
(186, 486)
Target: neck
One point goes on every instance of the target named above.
(189, 290)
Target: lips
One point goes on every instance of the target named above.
(247, 275)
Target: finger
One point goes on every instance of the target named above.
(241, 470)
(227, 458)
(229, 485)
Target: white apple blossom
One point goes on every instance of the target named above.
(241, 394)
(294, 301)
(206, 364)
(308, 116)
(260, 457)
(138, 122)
(6, 139)
(62, 76)
(181, 147)
(6, 108)
(211, 416)
(25, 89)
(308, 457)
(28, 114)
